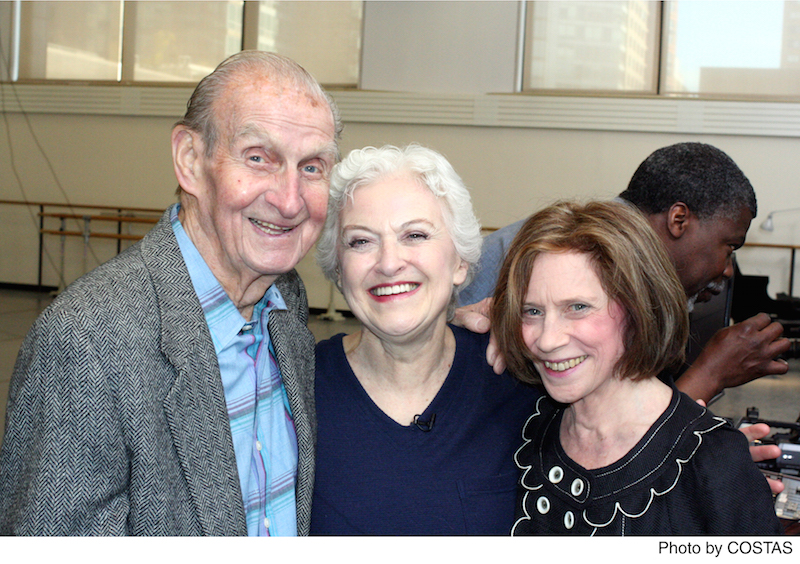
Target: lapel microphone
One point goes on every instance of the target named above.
(424, 426)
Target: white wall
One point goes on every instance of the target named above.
(513, 163)
(511, 171)
(466, 47)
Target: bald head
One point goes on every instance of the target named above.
(271, 69)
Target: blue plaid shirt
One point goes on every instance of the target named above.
(264, 438)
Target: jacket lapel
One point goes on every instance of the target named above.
(294, 350)
(195, 406)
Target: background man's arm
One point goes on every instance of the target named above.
(734, 356)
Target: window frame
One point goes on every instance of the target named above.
(591, 111)
(658, 49)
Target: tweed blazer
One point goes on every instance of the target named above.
(116, 421)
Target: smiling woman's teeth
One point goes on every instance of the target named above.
(392, 290)
(270, 227)
(561, 366)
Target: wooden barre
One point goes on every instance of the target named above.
(91, 234)
(116, 218)
(772, 246)
(81, 206)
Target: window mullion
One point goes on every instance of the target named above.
(660, 48)
(250, 25)
(128, 41)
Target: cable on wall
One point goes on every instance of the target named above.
(4, 72)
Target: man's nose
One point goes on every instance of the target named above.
(286, 195)
(729, 267)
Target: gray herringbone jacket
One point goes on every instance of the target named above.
(116, 422)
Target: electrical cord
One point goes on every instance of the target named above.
(4, 60)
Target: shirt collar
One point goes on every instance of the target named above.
(223, 319)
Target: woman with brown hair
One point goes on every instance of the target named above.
(589, 305)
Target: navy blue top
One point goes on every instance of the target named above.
(377, 477)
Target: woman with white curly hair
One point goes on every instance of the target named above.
(416, 433)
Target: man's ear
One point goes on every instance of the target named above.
(186, 151)
(678, 218)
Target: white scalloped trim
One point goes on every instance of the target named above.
(617, 508)
(525, 469)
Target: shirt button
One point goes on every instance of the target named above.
(569, 520)
(577, 487)
(266, 523)
(556, 474)
(543, 505)
(258, 446)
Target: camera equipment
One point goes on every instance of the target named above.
(786, 467)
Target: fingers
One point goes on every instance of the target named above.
(749, 350)
(764, 452)
(759, 321)
(474, 317)
(766, 330)
(762, 326)
(756, 432)
(780, 346)
(471, 320)
(475, 322)
(776, 486)
(493, 356)
(778, 366)
(484, 307)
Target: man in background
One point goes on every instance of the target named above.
(700, 204)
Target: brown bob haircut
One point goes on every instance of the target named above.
(634, 271)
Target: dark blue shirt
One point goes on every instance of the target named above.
(377, 477)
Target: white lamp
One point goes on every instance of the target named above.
(767, 224)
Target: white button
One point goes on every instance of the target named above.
(577, 487)
(543, 505)
(247, 327)
(556, 474)
(258, 446)
(266, 522)
(569, 520)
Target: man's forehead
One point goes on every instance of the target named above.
(315, 143)
(731, 225)
(267, 115)
(274, 87)
(260, 89)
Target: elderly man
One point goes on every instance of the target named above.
(170, 390)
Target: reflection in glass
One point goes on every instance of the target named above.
(183, 41)
(323, 37)
(70, 40)
(606, 46)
